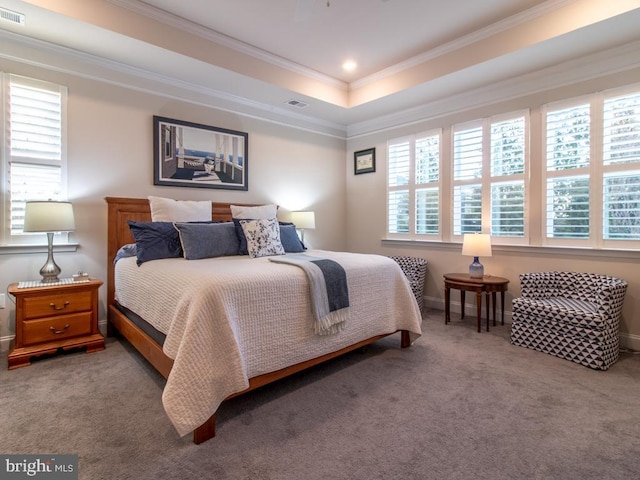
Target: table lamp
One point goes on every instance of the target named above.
(302, 221)
(49, 217)
(476, 245)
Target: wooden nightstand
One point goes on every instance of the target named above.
(49, 318)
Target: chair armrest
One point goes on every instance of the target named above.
(610, 299)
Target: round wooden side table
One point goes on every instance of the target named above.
(464, 283)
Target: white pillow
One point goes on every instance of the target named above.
(169, 210)
(263, 237)
(263, 212)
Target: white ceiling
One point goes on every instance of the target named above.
(375, 33)
(261, 53)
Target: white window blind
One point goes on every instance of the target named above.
(427, 178)
(467, 209)
(35, 118)
(621, 130)
(508, 162)
(467, 154)
(622, 206)
(467, 170)
(568, 139)
(413, 185)
(568, 161)
(399, 160)
(489, 162)
(621, 165)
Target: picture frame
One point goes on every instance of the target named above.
(188, 154)
(364, 161)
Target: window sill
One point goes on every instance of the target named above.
(37, 248)
(543, 251)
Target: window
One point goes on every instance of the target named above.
(584, 190)
(413, 185)
(592, 171)
(489, 161)
(34, 154)
(621, 167)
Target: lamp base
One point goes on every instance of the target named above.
(476, 269)
(50, 270)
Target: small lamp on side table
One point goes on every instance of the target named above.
(476, 245)
(302, 221)
(49, 217)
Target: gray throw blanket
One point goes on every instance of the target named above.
(329, 290)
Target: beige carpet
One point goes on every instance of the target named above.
(457, 405)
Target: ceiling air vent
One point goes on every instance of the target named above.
(297, 103)
(13, 17)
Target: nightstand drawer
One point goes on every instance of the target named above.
(56, 328)
(60, 304)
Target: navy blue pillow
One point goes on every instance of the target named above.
(289, 238)
(208, 240)
(155, 240)
(128, 250)
(242, 249)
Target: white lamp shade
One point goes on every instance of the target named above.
(49, 217)
(476, 245)
(304, 220)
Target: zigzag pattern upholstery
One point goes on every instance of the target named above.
(415, 270)
(571, 315)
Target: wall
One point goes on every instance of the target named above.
(366, 215)
(110, 153)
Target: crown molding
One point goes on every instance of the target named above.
(72, 62)
(205, 33)
(464, 41)
(586, 68)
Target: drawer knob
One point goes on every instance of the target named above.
(64, 305)
(58, 332)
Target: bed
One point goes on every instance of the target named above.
(246, 330)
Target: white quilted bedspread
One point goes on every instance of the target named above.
(229, 319)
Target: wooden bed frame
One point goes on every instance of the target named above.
(120, 210)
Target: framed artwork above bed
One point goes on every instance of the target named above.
(190, 154)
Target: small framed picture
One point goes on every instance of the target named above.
(364, 161)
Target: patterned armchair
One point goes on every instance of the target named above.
(415, 270)
(571, 315)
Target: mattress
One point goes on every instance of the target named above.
(228, 319)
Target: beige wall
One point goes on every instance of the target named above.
(111, 154)
(366, 210)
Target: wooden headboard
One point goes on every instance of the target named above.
(120, 210)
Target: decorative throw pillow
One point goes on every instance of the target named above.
(208, 240)
(155, 240)
(241, 212)
(263, 237)
(262, 212)
(169, 210)
(289, 238)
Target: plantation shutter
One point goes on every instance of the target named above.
(427, 152)
(35, 128)
(467, 176)
(399, 162)
(507, 177)
(621, 149)
(568, 151)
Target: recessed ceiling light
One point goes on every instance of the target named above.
(349, 65)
